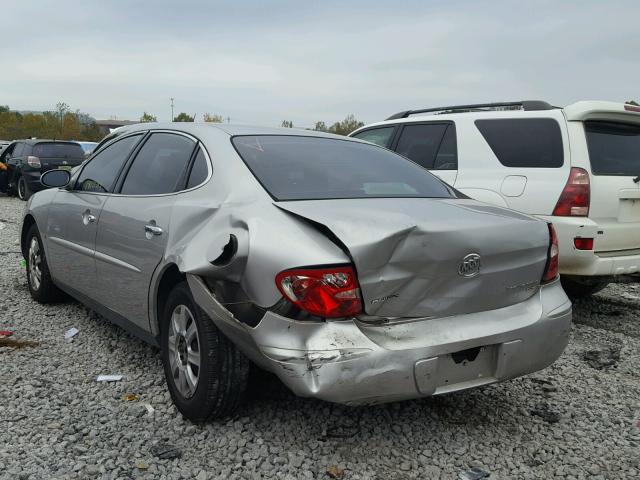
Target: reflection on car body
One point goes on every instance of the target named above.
(331, 262)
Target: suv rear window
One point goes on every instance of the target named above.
(58, 150)
(614, 148)
(524, 142)
(312, 168)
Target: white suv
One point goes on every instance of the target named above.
(577, 166)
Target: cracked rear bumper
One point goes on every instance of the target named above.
(353, 362)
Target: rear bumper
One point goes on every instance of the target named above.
(352, 362)
(592, 263)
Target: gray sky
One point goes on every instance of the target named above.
(263, 62)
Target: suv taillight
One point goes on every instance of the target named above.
(328, 292)
(33, 161)
(574, 199)
(551, 268)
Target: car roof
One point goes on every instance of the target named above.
(229, 129)
(34, 141)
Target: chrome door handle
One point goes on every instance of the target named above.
(88, 217)
(153, 229)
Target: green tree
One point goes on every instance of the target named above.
(4, 108)
(183, 117)
(60, 124)
(287, 124)
(148, 118)
(213, 118)
(321, 127)
(630, 102)
(346, 126)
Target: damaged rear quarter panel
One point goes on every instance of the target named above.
(232, 202)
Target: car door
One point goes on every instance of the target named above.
(135, 223)
(13, 164)
(431, 145)
(74, 216)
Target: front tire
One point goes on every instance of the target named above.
(576, 288)
(206, 374)
(41, 286)
(24, 193)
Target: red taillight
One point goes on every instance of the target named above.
(328, 292)
(583, 243)
(551, 269)
(576, 196)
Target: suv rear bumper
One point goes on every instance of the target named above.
(353, 362)
(590, 263)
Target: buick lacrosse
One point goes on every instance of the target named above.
(350, 272)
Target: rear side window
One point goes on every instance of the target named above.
(199, 170)
(524, 142)
(614, 148)
(432, 146)
(160, 165)
(312, 168)
(101, 172)
(379, 136)
(58, 150)
(17, 151)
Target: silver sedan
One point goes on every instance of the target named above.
(350, 272)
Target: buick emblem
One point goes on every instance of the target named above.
(470, 265)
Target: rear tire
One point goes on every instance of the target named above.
(576, 288)
(39, 280)
(206, 374)
(24, 193)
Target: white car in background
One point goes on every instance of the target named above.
(577, 166)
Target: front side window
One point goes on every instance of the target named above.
(160, 165)
(379, 136)
(99, 175)
(311, 168)
(524, 142)
(614, 148)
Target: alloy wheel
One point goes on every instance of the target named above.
(184, 350)
(35, 259)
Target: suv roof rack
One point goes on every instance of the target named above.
(527, 105)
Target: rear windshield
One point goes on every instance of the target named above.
(58, 150)
(310, 168)
(614, 148)
(524, 142)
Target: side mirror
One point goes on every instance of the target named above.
(55, 178)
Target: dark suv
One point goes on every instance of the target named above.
(26, 160)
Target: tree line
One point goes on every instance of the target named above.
(64, 124)
(61, 124)
(345, 127)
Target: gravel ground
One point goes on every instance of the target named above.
(579, 418)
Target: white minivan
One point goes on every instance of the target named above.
(577, 166)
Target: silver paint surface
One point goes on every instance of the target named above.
(407, 252)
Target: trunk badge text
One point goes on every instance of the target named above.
(384, 299)
(470, 265)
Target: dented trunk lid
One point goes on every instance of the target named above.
(410, 253)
